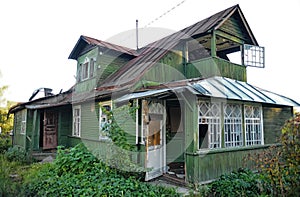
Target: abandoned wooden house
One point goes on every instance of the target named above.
(196, 115)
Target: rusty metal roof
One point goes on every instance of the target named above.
(85, 41)
(151, 54)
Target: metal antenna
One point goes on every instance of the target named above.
(137, 34)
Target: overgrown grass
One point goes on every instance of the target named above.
(76, 172)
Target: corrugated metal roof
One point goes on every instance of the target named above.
(221, 87)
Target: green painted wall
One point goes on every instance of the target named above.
(209, 165)
(107, 62)
(19, 139)
(90, 120)
(274, 119)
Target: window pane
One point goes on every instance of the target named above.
(253, 125)
(233, 125)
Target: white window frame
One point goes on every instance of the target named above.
(103, 119)
(254, 122)
(213, 119)
(233, 125)
(23, 121)
(76, 131)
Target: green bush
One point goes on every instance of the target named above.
(280, 165)
(5, 143)
(76, 172)
(17, 154)
(8, 170)
(238, 183)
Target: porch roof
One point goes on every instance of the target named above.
(221, 87)
(217, 87)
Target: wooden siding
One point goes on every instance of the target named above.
(106, 64)
(170, 69)
(19, 139)
(90, 120)
(211, 164)
(234, 26)
(214, 66)
(274, 118)
(64, 125)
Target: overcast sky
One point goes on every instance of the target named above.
(37, 37)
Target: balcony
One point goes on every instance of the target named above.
(215, 66)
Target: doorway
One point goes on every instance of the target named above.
(49, 135)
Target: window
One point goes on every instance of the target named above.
(253, 56)
(233, 125)
(85, 71)
(92, 67)
(23, 121)
(253, 125)
(76, 121)
(103, 119)
(209, 124)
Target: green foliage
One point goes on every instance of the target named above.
(8, 169)
(5, 143)
(17, 154)
(280, 165)
(76, 172)
(238, 183)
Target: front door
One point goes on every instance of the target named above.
(154, 132)
(50, 130)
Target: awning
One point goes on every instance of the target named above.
(222, 87)
(218, 87)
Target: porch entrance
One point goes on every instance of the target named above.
(154, 133)
(49, 134)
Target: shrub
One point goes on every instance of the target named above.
(17, 154)
(5, 143)
(238, 183)
(280, 165)
(76, 172)
(8, 186)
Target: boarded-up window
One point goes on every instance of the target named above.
(76, 121)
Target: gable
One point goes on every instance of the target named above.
(229, 25)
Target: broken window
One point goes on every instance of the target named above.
(209, 124)
(253, 125)
(76, 121)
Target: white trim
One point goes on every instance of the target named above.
(76, 121)
(23, 122)
(101, 116)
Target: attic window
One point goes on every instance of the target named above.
(85, 70)
(253, 56)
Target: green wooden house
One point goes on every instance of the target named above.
(196, 116)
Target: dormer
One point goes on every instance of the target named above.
(96, 60)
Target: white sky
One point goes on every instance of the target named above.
(36, 37)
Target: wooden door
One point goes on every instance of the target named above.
(154, 132)
(50, 130)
